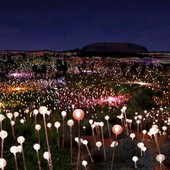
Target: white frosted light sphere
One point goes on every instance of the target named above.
(63, 113)
(132, 135)
(98, 144)
(14, 149)
(2, 163)
(84, 163)
(3, 134)
(134, 158)
(143, 148)
(140, 145)
(70, 122)
(101, 124)
(120, 116)
(57, 124)
(85, 142)
(20, 148)
(9, 115)
(36, 146)
(106, 117)
(2, 117)
(12, 122)
(76, 139)
(114, 144)
(138, 121)
(49, 125)
(37, 127)
(48, 112)
(153, 131)
(22, 121)
(21, 140)
(43, 110)
(16, 114)
(123, 108)
(155, 126)
(35, 111)
(93, 126)
(164, 128)
(46, 155)
(91, 121)
(160, 158)
(144, 131)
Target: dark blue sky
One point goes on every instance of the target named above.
(69, 24)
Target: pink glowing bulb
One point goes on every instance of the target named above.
(78, 114)
(117, 129)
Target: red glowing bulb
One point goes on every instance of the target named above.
(78, 114)
(117, 129)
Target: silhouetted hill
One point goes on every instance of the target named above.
(114, 47)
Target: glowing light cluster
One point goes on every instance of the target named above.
(21, 75)
(111, 100)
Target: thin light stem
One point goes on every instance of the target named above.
(23, 157)
(113, 158)
(71, 145)
(157, 145)
(109, 130)
(35, 119)
(160, 166)
(2, 147)
(0, 125)
(143, 137)
(63, 134)
(48, 146)
(138, 129)
(16, 164)
(125, 118)
(38, 137)
(104, 152)
(58, 143)
(88, 151)
(13, 132)
(79, 149)
(39, 162)
(93, 135)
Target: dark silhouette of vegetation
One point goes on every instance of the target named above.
(39, 70)
(126, 150)
(142, 100)
(62, 67)
(112, 54)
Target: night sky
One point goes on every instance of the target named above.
(70, 24)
